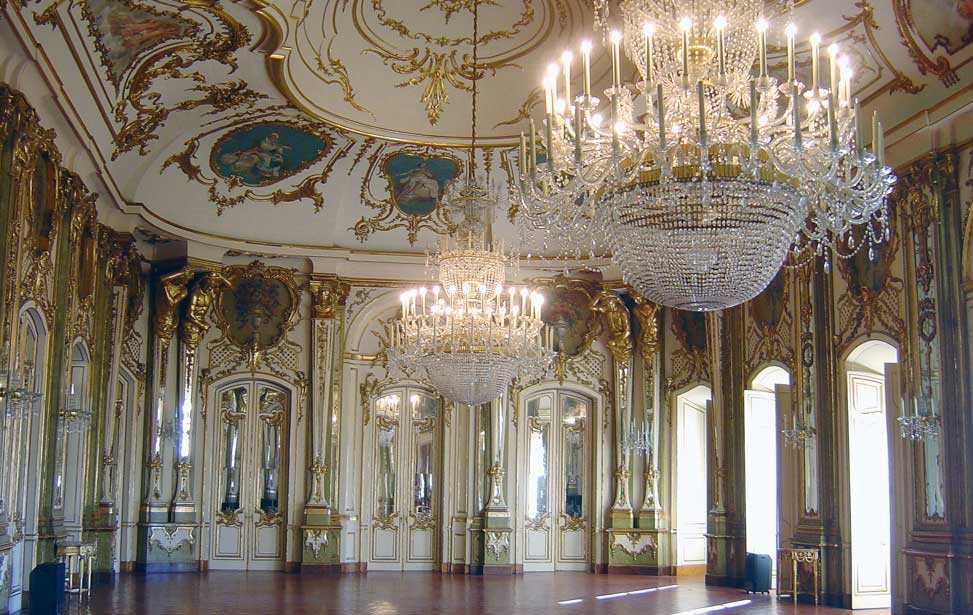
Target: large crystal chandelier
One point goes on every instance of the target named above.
(701, 176)
(469, 335)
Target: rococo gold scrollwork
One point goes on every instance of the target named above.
(203, 32)
(227, 191)
(617, 322)
(393, 214)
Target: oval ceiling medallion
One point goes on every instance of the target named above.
(261, 154)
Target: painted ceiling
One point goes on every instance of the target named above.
(339, 124)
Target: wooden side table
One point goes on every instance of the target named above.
(78, 557)
(795, 557)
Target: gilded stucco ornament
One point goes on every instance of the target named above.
(866, 18)
(617, 323)
(923, 43)
(173, 288)
(647, 316)
(168, 48)
(201, 298)
(327, 296)
(415, 180)
(247, 163)
(873, 298)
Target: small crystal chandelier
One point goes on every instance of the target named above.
(468, 335)
(18, 400)
(74, 418)
(801, 433)
(923, 422)
(701, 177)
(638, 438)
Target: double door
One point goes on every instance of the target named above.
(404, 455)
(557, 481)
(249, 486)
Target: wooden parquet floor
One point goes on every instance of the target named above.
(388, 593)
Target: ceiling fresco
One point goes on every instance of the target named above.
(340, 124)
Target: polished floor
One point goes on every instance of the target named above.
(386, 593)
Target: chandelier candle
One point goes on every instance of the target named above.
(707, 173)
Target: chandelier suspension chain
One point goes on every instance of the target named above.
(476, 45)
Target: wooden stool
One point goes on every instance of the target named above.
(795, 557)
(78, 557)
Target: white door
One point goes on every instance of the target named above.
(870, 506)
(404, 455)
(760, 457)
(249, 492)
(557, 492)
(691, 507)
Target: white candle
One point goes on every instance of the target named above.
(753, 114)
(649, 31)
(815, 62)
(762, 45)
(685, 24)
(532, 163)
(662, 119)
(796, 118)
(859, 137)
(790, 31)
(566, 65)
(832, 122)
(522, 157)
(721, 45)
(586, 68)
(616, 39)
(833, 65)
(701, 95)
(578, 134)
(880, 146)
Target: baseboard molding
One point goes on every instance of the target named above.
(689, 570)
(652, 571)
(164, 568)
(720, 581)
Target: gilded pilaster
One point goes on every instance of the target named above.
(726, 521)
(618, 325)
(192, 329)
(320, 533)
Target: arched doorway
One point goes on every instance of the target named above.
(557, 478)
(24, 449)
(404, 456)
(72, 442)
(691, 479)
(250, 475)
(868, 463)
(760, 458)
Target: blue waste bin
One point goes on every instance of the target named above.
(47, 588)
